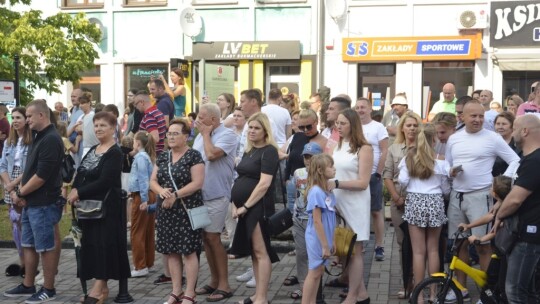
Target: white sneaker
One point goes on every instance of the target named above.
(246, 276)
(139, 273)
(39, 278)
(451, 296)
(251, 283)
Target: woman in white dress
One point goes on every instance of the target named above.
(353, 158)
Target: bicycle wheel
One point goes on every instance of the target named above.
(434, 290)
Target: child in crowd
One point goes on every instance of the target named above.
(68, 147)
(126, 145)
(321, 223)
(426, 179)
(142, 222)
(300, 219)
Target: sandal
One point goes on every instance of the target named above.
(292, 253)
(191, 299)
(177, 298)
(246, 301)
(206, 289)
(218, 292)
(344, 292)
(336, 283)
(296, 295)
(290, 281)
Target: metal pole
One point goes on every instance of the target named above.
(17, 89)
(123, 293)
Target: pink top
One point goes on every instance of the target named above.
(528, 107)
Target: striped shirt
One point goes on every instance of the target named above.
(152, 120)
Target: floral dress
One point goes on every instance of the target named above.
(174, 233)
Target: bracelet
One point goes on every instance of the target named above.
(244, 205)
(175, 194)
(337, 183)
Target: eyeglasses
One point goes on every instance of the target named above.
(172, 134)
(305, 128)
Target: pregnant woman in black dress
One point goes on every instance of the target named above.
(252, 191)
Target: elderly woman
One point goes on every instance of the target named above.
(12, 167)
(504, 124)
(252, 195)
(104, 245)
(407, 130)
(353, 158)
(177, 178)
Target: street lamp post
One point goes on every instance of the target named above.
(17, 90)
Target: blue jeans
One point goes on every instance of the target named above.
(291, 194)
(522, 263)
(375, 189)
(38, 226)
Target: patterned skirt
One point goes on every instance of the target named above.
(425, 210)
(16, 173)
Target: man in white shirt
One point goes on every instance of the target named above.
(475, 150)
(486, 97)
(377, 136)
(337, 104)
(279, 115)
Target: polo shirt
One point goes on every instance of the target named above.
(152, 120)
(442, 106)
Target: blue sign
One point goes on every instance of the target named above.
(443, 47)
(536, 34)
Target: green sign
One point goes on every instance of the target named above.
(218, 79)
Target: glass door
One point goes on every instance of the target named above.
(377, 83)
(283, 77)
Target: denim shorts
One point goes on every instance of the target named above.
(376, 192)
(38, 226)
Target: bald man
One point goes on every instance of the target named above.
(448, 104)
(523, 201)
(486, 97)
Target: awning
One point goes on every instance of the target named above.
(517, 59)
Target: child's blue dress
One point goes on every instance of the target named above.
(317, 198)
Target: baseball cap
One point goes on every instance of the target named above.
(312, 149)
(399, 100)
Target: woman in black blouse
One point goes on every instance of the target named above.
(252, 190)
(104, 244)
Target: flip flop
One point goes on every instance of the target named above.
(296, 295)
(224, 295)
(206, 289)
(290, 281)
(336, 283)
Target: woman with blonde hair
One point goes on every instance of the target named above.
(513, 102)
(407, 130)
(253, 198)
(425, 179)
(290, 102)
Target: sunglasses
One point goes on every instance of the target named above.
(305, 128)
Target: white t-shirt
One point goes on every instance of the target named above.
(489, 119)
(281, 118)
(477, 152)
(437, 183)
(374, 132)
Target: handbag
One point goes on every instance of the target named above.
(67, 168)
(507, 236)
(198, 216)
(91, 209)
(282, 220)
(344, 238)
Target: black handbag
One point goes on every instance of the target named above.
(91, 209)
(67, 168)
(282, 220)
(507, 235)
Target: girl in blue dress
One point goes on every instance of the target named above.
(321, 223)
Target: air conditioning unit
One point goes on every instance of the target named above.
(472, 19)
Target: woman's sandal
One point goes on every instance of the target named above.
(188, 298)
(177, 298)
(290, 281)
(296, 295)
(206, 289)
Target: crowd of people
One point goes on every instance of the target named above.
(328, 157)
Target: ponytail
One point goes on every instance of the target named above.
(148, 144)
(421, 160)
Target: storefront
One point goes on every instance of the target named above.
(437, 60)
(515, 46)
(261, 64)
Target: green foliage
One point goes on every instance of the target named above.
(52, 49)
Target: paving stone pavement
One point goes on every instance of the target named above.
(383, 278)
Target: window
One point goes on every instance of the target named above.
(145, 2)
(91, 80)
(138, 75)
(437, 74)
(82, 3)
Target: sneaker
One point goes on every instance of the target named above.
(20, 291)
(379, 253)
(246, 276)
(43, 295)
(139, 273)
(162, 279)
(451, 296)
(251, 283)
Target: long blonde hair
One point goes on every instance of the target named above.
(317, 166)
(421, 160)
(262, 119)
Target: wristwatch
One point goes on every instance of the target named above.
(337, 183)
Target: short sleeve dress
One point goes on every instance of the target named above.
(317, 198)
(174, 233)
(253, 163)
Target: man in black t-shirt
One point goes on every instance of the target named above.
(524, 200)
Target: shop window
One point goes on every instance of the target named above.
(145, 2)
(377, 83)
(82, 3)
(519, 82)
(138, 75)
(437, 74)
(91, 81)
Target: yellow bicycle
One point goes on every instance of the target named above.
(435, 288)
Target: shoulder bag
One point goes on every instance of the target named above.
(344, 238)
(92, 209)
(198, 216)
(282, 220)
(507, 235)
